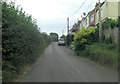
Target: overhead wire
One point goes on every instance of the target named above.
(89, 6)
(78, 8)
(81, 6)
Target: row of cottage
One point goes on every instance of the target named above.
(108, 9)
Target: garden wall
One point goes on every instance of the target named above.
(108, 32)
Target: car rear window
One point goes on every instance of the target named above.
(61, 39)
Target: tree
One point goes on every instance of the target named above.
(69, 39)
(63, 36)
(54, 37)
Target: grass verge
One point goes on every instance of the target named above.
(103, 54)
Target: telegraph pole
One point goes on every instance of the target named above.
(100, 27)
(68, 25)
(62, 32)
(119, 42)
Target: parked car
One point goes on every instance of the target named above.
(61, 41)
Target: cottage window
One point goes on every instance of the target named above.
(86, 21)
(92, 17)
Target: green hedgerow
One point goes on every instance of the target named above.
(22, 42)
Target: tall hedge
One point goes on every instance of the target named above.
(69, 39)
(22, 43)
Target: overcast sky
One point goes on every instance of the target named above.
(52, 15)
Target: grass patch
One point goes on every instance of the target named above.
(103, 54)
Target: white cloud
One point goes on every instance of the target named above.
(52, 14)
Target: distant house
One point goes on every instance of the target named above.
(92, 15)
(75, 28)
(79, 24)
(86, 21)
(82, 23)
(89, 20)
(108, 9)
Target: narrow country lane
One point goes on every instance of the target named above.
(59, 64)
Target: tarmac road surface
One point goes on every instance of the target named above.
(60, 64)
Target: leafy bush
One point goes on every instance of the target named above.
(63, 36)
(22, 43)
(103, 37)
(112, 23)
(69, 39)
(85, 37)
(108, 40)
(109, 23)
(106, 23)
(116, 23)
